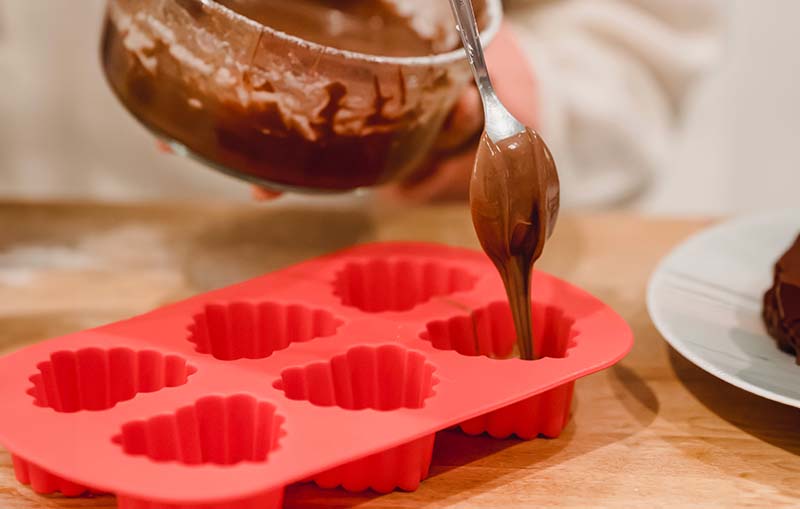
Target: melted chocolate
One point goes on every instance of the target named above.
(256, 139)
(514, 196)
(366, 26)
(782, 302)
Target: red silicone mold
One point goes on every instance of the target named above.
(339, 370)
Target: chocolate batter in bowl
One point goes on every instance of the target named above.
(311, 95)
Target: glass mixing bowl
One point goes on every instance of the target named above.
(276, 109)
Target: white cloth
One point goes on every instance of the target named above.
(613, 76)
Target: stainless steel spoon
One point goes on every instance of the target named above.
(500, 124)
(514, 189)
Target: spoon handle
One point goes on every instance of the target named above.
(499, 123)
(467, 28)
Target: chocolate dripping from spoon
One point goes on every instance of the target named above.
(514, 189)
(514, 198)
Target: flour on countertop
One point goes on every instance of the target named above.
(127, 247)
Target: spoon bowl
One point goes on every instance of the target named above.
(514, 188)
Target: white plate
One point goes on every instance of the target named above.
(705, 299)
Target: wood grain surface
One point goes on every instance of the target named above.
(653, 431)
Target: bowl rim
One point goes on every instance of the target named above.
(494, 12)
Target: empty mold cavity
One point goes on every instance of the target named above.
(385, 377)
(398, 285)
(254, 331)
(221, 430)
(489, 331)
(97, 379)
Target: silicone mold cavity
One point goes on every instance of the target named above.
(386, 377)
(216, 429)
(489, 331)
(255, 331)
(97, 379)
(398, 285)
(339, 370)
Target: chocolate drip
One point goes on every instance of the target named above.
(514, 196)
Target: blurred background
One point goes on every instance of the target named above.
(63, 134)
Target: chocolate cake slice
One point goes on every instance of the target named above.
(782, 302)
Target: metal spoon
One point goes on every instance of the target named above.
(500, 124)
(514, 189)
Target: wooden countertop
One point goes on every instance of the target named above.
(653, 431)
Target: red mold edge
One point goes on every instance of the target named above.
(403, 467)
(244, 330)
(380, 285)
(545, 414)
(489, 331)
(44, 482)
(269, 500)
(98, 379)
